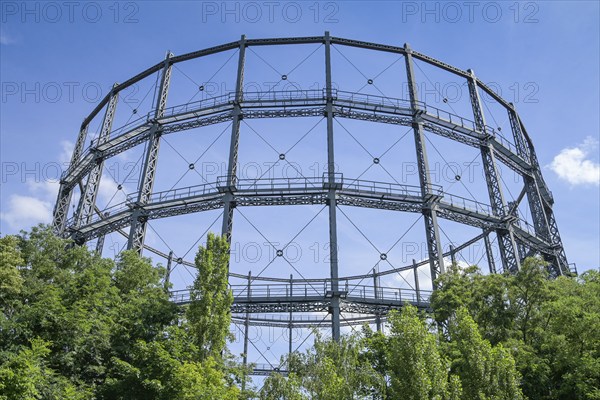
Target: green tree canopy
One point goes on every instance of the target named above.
(76, 326)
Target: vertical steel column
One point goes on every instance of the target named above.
(416, 273)
(228, 198)
(290, 324)
(436, 258)
(376, 292)
(534, 198)
(65, 192)
(100, 244)
(137, 231)
(562, 265)
(517, 132)
(488, 252)
(246, 329)
(87, 201)
(452, 255)
(331, 198)
(168, 274)
(541, 210)
(506, 240)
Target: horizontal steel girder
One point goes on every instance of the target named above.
(302, 103)
(300, 191)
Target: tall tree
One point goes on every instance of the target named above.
(209, 313)
(485, 372)
(417, 368)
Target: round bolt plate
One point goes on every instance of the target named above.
(445, 100)
(457, 177)
(134, 111)
(370, 81)
(376, 160)
(119, 187)
(282, 156)
(191, 166)
(179, 260)
(279, 253)
(284, 77)
(383, 256)
(201, 88)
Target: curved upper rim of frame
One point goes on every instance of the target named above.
(171, 60)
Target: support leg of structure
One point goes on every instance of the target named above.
(100, 244)
(506, 240)
(168, 273)
(290, 332)
(87, 201)
(246, 331)
(65, 192)
(332, 199)
(376, 293)
(436, 260)
(452, 255)
(489, 253)
(540, 205)
(228, 199)
(416, 273)
(137, 232)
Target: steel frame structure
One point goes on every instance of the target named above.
(333, 295)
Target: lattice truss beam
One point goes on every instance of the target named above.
(342, 300)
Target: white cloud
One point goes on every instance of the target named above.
(573, 164)
(23, 212)
(26, 211)
(47, 190)
(67, 148)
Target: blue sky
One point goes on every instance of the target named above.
(57, 58)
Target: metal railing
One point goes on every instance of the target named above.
(270, 184)
(449, 117)
(196, 106)
(129, 126)
(467, 204)
(392, 189)
(297, 97)
(176, 194)
(302, 184)
(373, 100)
(284, 95)
(310, 291)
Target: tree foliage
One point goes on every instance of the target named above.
(327, 371)
(209, 313)
(416, 366)
(550, 326)
(76, 326)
